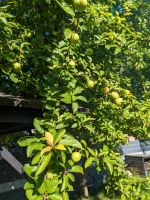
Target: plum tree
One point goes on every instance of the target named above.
(96, 103)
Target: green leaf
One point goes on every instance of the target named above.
(109, 164)
(78, 90)
(63, 156)
(89, 162)
(123, 197)
(30, 194)
(71, 163)
(43, 163)
(36, 158)
(64, 183)
(13, 78)
(27, 140)
(74, 125)
(105, 149)
(77, 169)
(4, 20)
(52, 185)
(71, 177)
(70, 187)
(28, 185)
(30, 170)
(39, 197)
(55, 196)
(65, 196)
(42, 188)
(62, 44)
(66, 7)
(70, 141)
(60, 133)
(34, 147)
(67, 33)
(60, 126)
(117, 50)
(66, 98)
(37, 124)
(84, 143)
(101, 73)
(75, 106)
(91, 151)
(82, 98)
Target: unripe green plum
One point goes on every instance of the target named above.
(76, 156)
(74, 38)
(16, 67)
(80, 5)
(89, 52)
(90, 84)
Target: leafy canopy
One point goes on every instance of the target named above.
(51, 41)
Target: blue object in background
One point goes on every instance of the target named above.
(47, 33)
(145, 144)
(133, 147)
(120, 9)
(117, 8)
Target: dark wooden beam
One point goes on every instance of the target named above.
(14, 119)
(17, 113)
(10, 128)
(19, 101)
(6, 155)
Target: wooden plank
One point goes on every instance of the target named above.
(138, 155)
(12, 128)
(5, 154)
(18, 194)
(18, 115)
(14, 119)
(19, 101)
(12, 185)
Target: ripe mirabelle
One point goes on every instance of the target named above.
(115, 95)
(119, 101)
(72, 63)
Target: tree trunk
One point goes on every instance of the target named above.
(84, 188)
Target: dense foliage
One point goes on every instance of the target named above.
(89, 63)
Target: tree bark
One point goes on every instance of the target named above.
(84, 189)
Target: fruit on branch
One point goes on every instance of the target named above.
(17, 67)
(127, 92)
(115, 95)
(106, 90)
(76, 156)
(72, 63)
(119, 101)
(74, 38)
(90, 83)
(89, 52)
(80, 5)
